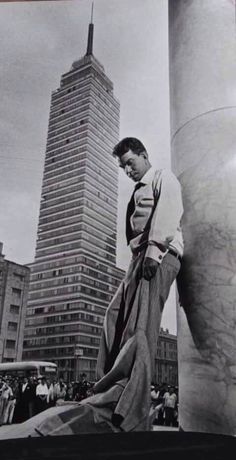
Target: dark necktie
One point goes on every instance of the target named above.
(129, 212)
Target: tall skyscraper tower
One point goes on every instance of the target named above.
(74, 275)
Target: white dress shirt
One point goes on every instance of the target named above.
(24, 385)
(42, 389)
(170, 400)
(164, 229)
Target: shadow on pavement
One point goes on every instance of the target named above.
(158, 445)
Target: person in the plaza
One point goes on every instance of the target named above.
(159, 409)
(42, 394)
(128, 347)
(154, 398)
(83, 387)
(170, 405)
(69, 392)
(32, 383)
(23, 400)
(51, 393)
(16, 388)
(5, 397)
(59, 391)
(10, 407)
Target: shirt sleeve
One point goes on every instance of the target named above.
(166, 217)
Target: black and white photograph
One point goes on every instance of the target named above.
(117, 229)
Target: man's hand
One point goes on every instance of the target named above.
(149, 268)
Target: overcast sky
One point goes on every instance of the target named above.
(39, 41)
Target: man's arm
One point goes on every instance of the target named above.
(164, 224)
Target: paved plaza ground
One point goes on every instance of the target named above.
(5, 430)
(164, 442)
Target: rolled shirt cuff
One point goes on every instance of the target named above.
(155, 253)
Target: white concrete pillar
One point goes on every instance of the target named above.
(203, 137)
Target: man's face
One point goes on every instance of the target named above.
(135, 166)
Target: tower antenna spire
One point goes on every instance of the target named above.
(90, 36)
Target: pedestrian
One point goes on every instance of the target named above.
(83, 387)
(170, 404)
(32, 383)
(60, 391)
(51, 396)
(16, 393)
(69, 392)
(23, 400)
(6, 396)
(12, 401)
(42, 393)
(128, 345)
(154, 403)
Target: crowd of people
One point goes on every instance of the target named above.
(23, 397)
(164, 405)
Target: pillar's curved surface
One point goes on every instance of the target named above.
(203, 136)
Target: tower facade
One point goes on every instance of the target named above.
(74, 275)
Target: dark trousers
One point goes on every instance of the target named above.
(41, 403)
(169, 416)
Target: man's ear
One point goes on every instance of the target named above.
(144, 154)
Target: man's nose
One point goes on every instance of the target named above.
(128, 169)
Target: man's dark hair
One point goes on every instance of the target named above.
(126, 144)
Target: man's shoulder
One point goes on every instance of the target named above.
(164, 172)
(161, 174)
(167, 177)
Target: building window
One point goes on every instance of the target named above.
(16, 291)
(57, 272)
(14, 309)
(19, 276)
(12, 326)
(10, 344)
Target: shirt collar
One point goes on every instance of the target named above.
(148, 176)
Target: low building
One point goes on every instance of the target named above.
(14, 285)
(166, 368)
